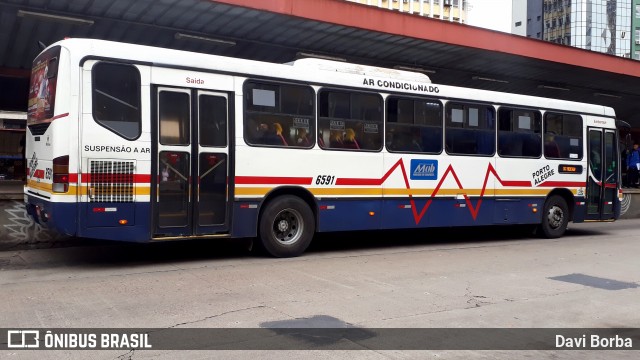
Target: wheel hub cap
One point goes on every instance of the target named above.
(555, 217)
(283, 225)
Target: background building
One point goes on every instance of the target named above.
(596, 25)
(635, 33)
(527, 18)
(451, 10)
(519, 18)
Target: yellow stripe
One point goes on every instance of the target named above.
(74, 190)
(39, 186)
(428, 192)
(262, 191)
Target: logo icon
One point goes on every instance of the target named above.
(424, 169)
(33, 163)
(23, 339)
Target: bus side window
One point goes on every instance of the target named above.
(563, 136)
(414, 125)
(276, 114)
(470, 129)
(350, 120)
(519, 133)
(116, 98)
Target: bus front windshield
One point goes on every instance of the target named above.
(42, 89)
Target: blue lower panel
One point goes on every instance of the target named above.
(517, 211)
(580, 210)
(110, 214)
(60, 217)
(101, 221)
(439, 212)
(344, 215)
(245, 219)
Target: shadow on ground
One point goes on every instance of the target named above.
(92, 253)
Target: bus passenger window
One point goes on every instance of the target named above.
(519, 133)
(414, 125)
(563, 136)
(116, 98)
(470, 129)
(349, 120)
(276, 114)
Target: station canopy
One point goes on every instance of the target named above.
(283, 30)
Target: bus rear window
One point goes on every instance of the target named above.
(42, 89)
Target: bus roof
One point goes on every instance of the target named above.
(358, 69)
(327, 72)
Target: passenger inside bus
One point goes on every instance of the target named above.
(278, 130)
(303, 138)
(350, 141)
(270, 135)
(551, 148)
(335, 141)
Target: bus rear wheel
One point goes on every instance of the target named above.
(286, 226)
(555, 217)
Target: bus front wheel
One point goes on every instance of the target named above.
(555, 217)
(286, 226)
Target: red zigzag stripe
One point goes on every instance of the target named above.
(418, 216)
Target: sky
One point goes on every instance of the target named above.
(490, 14)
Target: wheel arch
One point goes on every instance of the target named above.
(568, 197)
(298, 191)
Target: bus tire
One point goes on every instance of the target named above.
(555, 217)
(286, 226)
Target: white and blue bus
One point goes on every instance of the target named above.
(134, 143)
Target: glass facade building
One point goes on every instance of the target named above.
(597, 25)
(635, 33)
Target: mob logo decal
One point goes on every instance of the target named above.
(424, 169)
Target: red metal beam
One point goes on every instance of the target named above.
(372, 18)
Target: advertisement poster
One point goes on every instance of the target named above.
(42, 89)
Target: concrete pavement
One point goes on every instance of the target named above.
(434, 278)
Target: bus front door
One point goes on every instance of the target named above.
(602, 174)
(191, 194)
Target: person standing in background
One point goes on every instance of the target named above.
(633, 165)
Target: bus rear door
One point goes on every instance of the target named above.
(191, 163)
(602, 174)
